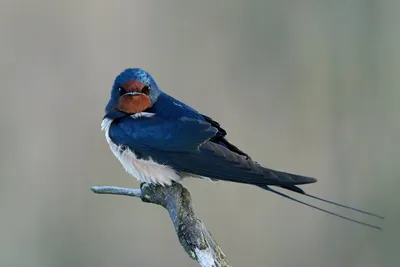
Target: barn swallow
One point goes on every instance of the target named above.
(160, 140)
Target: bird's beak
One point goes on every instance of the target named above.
(134, 93)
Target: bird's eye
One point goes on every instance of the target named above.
(146, 90)
(122, 91)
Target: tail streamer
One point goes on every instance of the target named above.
(324, 210)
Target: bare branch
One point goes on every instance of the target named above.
(115, 190)
(191, 231)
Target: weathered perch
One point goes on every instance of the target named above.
(192, 233)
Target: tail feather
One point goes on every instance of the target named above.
(280, 178)
(345, 206)
(301, 191)
(318, 208)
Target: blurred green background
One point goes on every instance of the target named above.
(310, 87)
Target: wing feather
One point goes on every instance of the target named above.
(186, 145)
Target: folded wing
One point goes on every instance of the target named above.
(186, 145)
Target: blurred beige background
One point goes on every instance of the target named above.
(305, 86)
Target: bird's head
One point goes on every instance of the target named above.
(133, 91)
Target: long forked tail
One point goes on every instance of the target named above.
(300, 191)
(344, 206)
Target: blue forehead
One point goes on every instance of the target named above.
(134, 74)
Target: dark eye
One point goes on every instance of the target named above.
(122, 91)
(146, 90)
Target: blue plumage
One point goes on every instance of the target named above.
(179, 136)
(170, 136)
(183, 135)
(183, 144)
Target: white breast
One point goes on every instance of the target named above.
(147, 171)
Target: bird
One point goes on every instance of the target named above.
(161, 140)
